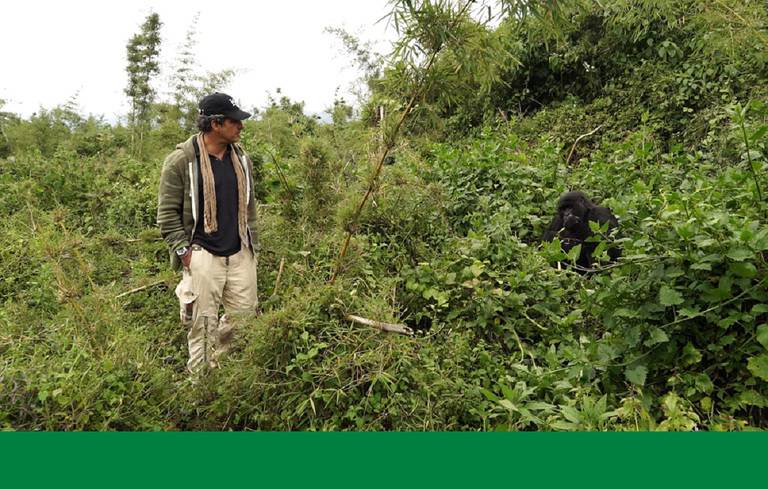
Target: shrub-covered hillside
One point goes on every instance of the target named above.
(654, 109)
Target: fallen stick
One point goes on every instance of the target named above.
(138, 240)
(139, 289)
(388, 327)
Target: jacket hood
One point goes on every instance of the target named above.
(188, 147)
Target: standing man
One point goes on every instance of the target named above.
(207, 215)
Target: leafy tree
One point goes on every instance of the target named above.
(143, 50)
(188, 84)
(5, 119)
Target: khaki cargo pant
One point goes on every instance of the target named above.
(209, 282)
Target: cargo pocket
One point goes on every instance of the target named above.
(187, 297)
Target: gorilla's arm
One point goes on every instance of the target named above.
(554, 227)
(601, 215)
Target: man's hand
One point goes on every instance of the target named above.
(186, 258)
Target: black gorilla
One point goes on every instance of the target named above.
(571, 225)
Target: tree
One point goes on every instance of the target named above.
(184, 78)
(188, 83)
(143, 50)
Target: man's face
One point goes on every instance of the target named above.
(229, 130)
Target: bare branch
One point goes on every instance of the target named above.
(388, 327)
(139, 289)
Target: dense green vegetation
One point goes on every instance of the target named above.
(672, 96)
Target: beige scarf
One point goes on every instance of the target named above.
(210, 223)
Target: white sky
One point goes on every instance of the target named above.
(55, 49)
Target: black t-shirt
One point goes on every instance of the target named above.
(226, 240)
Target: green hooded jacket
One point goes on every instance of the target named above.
(177, 207)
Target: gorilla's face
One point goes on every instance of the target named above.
(573, 209)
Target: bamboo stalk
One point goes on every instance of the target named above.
(279, 275)
(388, 327)
(280, 173)
(387, 147)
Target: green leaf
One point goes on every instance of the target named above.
(752, 398)
(691, 355)
(704, 242)
(540, 406)
(636, 374)
(508, 392)
(686, 231)
(573, 253)
(488, 394)
(626, 313)
(477, 269)
(740, 254)
(564, 426)
(571, 414)
(600, 249)
(657, 336)
(759, 133)
(689, 312)
(762, 335)
(670, 297)
(760, 241)
(759, 366)
(759, 309)
(744, 269)
(507, 404)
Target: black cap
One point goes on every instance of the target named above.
(222, 104)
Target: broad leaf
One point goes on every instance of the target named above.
(744, 269)
(758, 134)
(740, 254)
(670, 297)
(762, 335)
(571, 414)
(508, 405)
(636, 374)
(689, 312)
(691, 355)
(759, 366)
(752, 398)
(657, 336)
(573, 253)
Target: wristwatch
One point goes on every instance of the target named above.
(182, 251)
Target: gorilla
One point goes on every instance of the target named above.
(571, 225)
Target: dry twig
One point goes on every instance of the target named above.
(139, 289)
(568, 160)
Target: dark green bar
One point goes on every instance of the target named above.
(382, 459)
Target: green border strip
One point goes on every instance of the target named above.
(389, 460)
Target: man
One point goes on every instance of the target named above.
(207, 215)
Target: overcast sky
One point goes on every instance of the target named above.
(53, 50)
